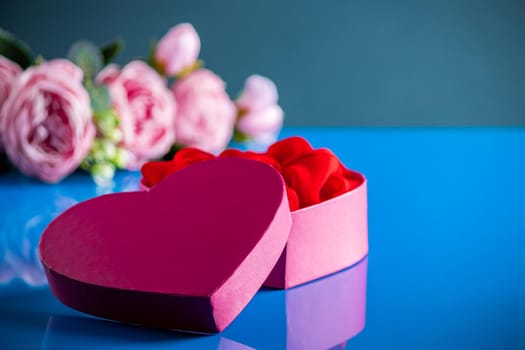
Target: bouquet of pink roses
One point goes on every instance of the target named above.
(84, 111)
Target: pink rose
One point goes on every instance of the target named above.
(261, 117)
(8, 71)
(178, 49)
(206, 115)
(146, 110)
(46, 120)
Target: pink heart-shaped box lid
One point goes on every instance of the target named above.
(187, 255)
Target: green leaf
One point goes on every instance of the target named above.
(14, 49)
(87, 56)
(111, 50)
(99, 96)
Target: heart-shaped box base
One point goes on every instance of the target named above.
(187, 255)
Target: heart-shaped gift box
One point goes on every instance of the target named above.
(192, 251)
(329, 207)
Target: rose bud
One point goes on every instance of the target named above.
(178, 50)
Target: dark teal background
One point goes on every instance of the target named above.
(357, 62)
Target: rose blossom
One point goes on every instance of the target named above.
(145, 108)
(178, 49)
(46, 120)
(8, 71)
(261, 118)
(206, 115)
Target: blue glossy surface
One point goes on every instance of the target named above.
(446, 267)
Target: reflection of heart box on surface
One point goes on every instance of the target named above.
(318, 315)
(324, 239)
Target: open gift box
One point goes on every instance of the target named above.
(192, 251)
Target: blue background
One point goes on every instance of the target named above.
(446, 268)
(336, 62)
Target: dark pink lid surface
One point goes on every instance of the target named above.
(212, 230)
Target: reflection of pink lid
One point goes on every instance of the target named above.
(88, 333)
